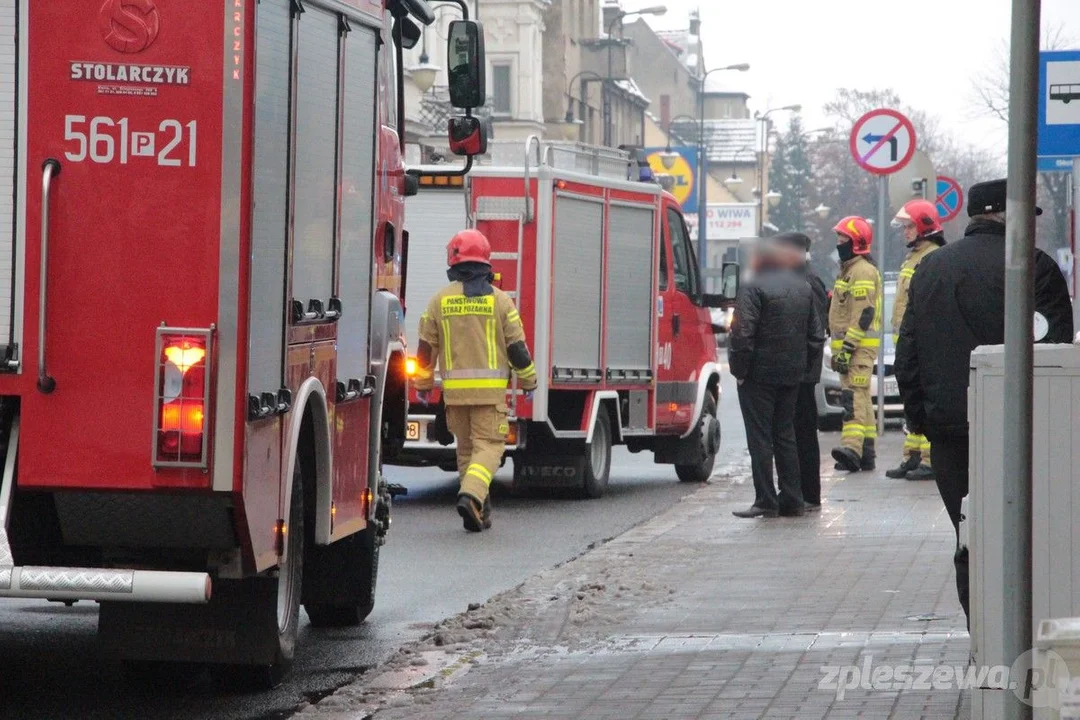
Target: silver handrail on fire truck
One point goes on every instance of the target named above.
(528, 215)
(50, 169)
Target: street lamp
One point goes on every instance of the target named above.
(618, 18)
(703, 164)
(424, 74)
(735, 180)
(773, 198)
(571, 127)
(764, 120)
(669, 157)
(822, 210)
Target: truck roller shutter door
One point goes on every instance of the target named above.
(270, 217)
(357, 202)
(316, 156)
(8, 165)
(579, 234)
(630, 288)
(432, 217)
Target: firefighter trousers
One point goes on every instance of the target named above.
(917, 445)
(480, 431)
(860, 427)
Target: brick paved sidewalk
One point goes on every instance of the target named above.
(697, 614)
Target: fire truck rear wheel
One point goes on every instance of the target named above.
(598, 458)
(703, 470)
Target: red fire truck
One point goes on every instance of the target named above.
(202, 267)
(607, 282)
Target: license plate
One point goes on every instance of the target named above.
(412, 430)
(891, 387)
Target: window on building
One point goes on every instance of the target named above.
(501, 89)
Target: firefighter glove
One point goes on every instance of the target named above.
(841, 361)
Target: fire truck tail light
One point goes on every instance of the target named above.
(410, 367)
(184, 354)
(181, 398)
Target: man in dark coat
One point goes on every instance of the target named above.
(806, 417)
(957, 303)
(776, 334)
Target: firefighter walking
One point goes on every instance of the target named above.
(473, 331)
(855, 330)
(921, 225)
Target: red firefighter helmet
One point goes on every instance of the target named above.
(468, 246)
(923, 215)
(858, 231)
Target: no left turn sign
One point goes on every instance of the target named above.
(882, 141)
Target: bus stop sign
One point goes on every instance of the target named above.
(1059, 109)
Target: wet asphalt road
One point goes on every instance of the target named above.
(50, 666)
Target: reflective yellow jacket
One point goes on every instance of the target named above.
(907, 271)
(856, 307)
(469, 338)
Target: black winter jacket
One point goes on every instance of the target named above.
(957, 303)
(776, 331)
(821, 303)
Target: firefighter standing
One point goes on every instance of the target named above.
(474, 332)
(922, 230)
(855, 327)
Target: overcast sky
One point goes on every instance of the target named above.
(801, 51)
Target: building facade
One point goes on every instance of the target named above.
(589, 93)
(514, 38)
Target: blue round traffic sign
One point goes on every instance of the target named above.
(950, 198)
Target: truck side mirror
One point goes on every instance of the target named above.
(467, 136)
(729, 281)
(466, 64)
(408, 33)
(729, 290)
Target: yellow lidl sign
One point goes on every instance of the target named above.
(683, 169)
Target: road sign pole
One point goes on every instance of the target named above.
(882, 233)
(1016, 523)
(882, 142)
(1074, 239)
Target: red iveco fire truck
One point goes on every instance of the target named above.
(201, 267)
(604, 274)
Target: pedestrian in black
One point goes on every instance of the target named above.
(806, 417)
(775, 332)
(957, 303)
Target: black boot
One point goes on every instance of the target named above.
(471, 513)
(846, 459)
(923, 472)
(869, 456)
(909, 464)
(485, 514)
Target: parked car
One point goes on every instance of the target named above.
(830, 411)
